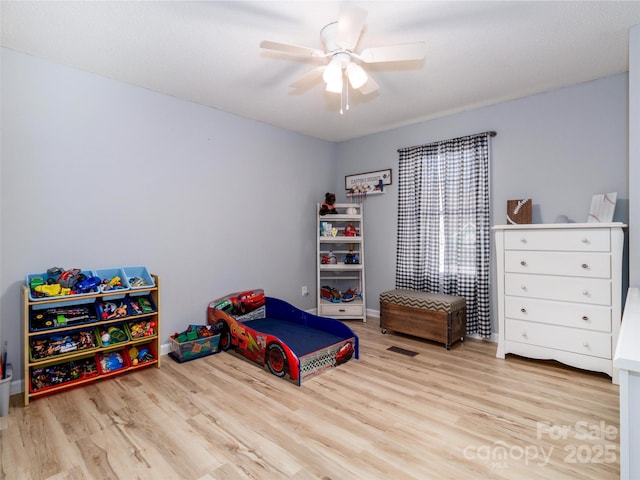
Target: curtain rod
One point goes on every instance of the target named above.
(491, 133)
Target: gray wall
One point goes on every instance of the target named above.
(97, 173)
(634, 155)
(558, 148)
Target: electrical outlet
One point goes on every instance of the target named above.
(305, 290)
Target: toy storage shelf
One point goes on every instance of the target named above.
(342, 274)
(76, 359)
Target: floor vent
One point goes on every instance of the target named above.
(408, 353)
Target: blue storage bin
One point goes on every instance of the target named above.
(44, 277)
(107, 274)
(138, 277)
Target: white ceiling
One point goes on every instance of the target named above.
(478, 53)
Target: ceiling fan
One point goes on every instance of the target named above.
(344, 67)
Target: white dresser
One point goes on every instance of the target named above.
(627, 360)
(559, 292)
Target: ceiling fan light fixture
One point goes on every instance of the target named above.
(335, 86)
(357, 76)
(333, 73)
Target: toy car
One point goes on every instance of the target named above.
(86, 285)
(331, 294)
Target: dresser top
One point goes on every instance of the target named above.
(558, 226)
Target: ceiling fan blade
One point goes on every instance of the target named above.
(369, 87)
(350, 25)
(393, 53)
(295, 49)
(309, 78)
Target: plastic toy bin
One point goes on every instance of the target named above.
(138, 277)
(51, 345)
(44, 277)
(63, 372)
(5, 391)
(112, 335)
(107, 274)
(113, 361)
(192, 349)
(141, 354)
(141, 328)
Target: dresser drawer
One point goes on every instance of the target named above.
(577, 264)
(578, 240)
(595, 291)
(575, 315)
(341, 310)
(585, 342)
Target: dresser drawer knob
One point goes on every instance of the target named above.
(524, 334)
(585, 240)
(523, 310)
(585, 266)
(585, 293)
(585, 344)
(523, 240)
(523, 263)
(523, 288)
(585, 318)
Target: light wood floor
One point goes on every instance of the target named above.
(454, 414)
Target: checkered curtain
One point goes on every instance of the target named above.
(443, 223)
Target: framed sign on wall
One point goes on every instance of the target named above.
(367, 182)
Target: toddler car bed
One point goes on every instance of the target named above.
(289, 341)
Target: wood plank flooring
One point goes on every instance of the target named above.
(438, 415)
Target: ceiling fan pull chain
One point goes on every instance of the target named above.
(342, 98)
(346, 89)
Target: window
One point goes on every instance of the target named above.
(443, 223)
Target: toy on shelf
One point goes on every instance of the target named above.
(140, 355)
(54, 290)
(50, 376)
(87, 285)
(328, 206)
(350, 231)
(350, 295)
(143, 328)
(111, 361)
(52, 345)
(145, 305)
(137, 282)
(331, 294)
(111, 310)
(62, 316)
(112, 335)
(69, 278)
(329, 259)
(58, 282)
(114, 283)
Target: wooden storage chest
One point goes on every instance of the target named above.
(432, 316)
